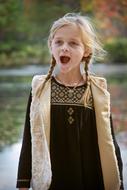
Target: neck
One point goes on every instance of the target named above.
(70, 79)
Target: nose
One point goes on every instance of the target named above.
(65, 47)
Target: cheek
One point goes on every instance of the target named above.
(55, 54)
(53, 50)
(79, 53)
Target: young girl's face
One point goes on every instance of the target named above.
(67, 48)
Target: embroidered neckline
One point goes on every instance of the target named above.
(60, 94)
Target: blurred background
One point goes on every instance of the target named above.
(24, 29)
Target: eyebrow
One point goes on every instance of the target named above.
(71, 39)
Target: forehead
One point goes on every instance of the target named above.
(68, 31)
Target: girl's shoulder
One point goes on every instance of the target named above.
(37, 79)
(101, 81)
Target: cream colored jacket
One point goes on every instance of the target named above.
(40, 132)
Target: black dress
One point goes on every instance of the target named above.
(74, 150)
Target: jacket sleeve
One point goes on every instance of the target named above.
(118, 154)
(24, 167)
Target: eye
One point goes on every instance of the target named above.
(73, 43)
(58, 42)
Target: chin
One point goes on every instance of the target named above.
(63, 68)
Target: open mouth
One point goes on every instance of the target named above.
(64, 59)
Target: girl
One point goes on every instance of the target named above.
(68, 141)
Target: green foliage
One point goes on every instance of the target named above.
(41, 16)
(8, 14)
(26, 54)
(25, 39)
(23, 35)
(8, 46)
(117, 50)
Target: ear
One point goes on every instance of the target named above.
(87, 52)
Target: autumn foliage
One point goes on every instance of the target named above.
(111, 15)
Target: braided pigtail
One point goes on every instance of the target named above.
(41, 87)
(86, 96)
(87, 61)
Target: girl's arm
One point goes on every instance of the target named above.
(24, 167)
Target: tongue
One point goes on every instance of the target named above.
(64, 59)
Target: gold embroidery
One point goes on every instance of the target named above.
(90, 103)
(70, 119)
(60, 94)
(70, 111)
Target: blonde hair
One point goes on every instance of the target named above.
(88, 32)
(89, 38)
